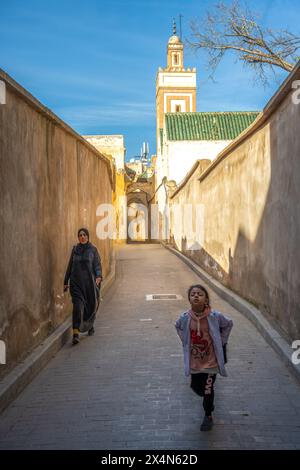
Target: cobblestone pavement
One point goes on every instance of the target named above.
(125, 388)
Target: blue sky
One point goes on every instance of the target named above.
(94, 62)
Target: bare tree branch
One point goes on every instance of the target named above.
(237, 29)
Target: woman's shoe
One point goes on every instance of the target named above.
(91, 331)
(76, 339)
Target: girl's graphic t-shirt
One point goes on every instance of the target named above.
(202, 349)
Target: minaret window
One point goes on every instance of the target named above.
(177, 108)
(175, 59)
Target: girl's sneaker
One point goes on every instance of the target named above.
(207, 423)
(91, 331)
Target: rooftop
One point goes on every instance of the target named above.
(174, 40)
(208, 126)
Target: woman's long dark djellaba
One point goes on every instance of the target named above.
(85, 276)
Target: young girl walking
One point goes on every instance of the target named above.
(204, 334)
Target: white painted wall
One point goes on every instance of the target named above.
(162, 170)
(180, 156)
(179, 79)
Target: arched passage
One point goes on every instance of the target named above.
(138, 217)
(139, 195)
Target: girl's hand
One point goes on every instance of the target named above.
(98, 281)
(66, 287)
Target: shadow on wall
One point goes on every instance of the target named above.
(267, 270)
(52, 182)
(264, 268)
(247, 279)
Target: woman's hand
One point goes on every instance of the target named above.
(98, 281)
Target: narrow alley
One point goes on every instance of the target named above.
(125, 388)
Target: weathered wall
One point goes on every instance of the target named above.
(113, 147)
(51, 184)
(251, 198)
(178, 157)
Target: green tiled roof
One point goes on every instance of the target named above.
(207, 126)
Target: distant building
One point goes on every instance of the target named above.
(188, 137)
(184, 135)
(114, 148)
(175, 87)
(135, 165)
(111, 145)
(142, 165)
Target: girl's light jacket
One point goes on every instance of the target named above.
(219, 329)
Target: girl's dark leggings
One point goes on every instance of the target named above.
(203, 385)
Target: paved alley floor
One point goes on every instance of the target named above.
(125, 387)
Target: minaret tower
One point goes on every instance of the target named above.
(175, 85)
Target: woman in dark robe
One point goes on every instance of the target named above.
(85, 276)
